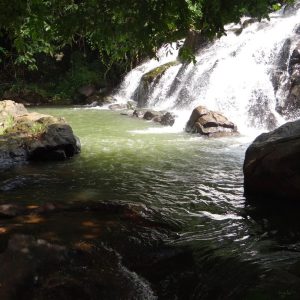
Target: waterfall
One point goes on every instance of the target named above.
(232, 75)
(165, 54)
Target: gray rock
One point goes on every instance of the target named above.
(271, 167)
(167, 119)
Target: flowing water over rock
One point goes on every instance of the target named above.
(234, 75)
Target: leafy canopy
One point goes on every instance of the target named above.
(118, 29)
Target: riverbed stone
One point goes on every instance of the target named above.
(164, 118)
(210, 123)
(168, 119)
(271, 166)
(33, 136)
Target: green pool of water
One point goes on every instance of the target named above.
(193, 181)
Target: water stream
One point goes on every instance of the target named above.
(195, 182)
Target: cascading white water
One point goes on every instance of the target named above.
(130, 83)
(232, 75)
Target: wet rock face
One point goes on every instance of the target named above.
(286, 77)
(33, 136)
(271, 166)
(259, 112)
(210, 123)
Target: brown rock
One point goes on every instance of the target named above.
(210, 123)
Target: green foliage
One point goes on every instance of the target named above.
(187, 54)
(158, 72)
(80, 74)
(121, 31)
(37, 128)
(61, 99)
(7, 124)
(21, 87)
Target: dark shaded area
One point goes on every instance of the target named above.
(102, 250)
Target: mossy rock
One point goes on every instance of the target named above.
(158, 72)
(148, 79)
(34, 136)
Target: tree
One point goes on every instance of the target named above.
(120, 30)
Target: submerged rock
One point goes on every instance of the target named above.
(33, 136)
(271, 167)
(164, 118)
(150, 115)
(117, 106)
(210, 123)
(52, 271)
(104, 252)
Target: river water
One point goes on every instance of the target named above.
(194, 182)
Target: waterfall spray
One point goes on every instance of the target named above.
(232, 75)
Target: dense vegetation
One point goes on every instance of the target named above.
(62, 44)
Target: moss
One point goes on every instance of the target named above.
(158, 72)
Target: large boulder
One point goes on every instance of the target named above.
(210, 123)
(272, 165)
(33, 136)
